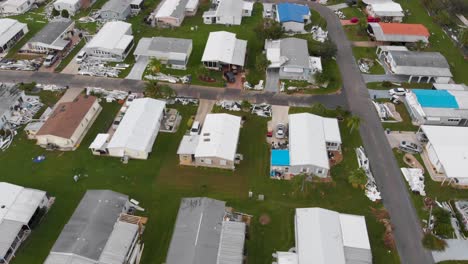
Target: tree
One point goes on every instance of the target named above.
(65, 13)
(443, 18)
(353, 123)
(261, 62)
(155, 65)
(202, 71)
(420, 45)
(463, 37)
(357, 178)
(320, 78)
(270, 29)
(154, 90)
(55, 12)
(326, 50)
(362, 27)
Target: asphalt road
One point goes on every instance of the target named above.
(211, 93)
(407, 228)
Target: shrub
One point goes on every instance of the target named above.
(387, 84)
(65, 13)
(432, 242)
(55, 12)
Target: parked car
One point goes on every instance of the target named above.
(81, 56)
(196, 127)
(116, 122)
(230, 77)
(395, 99)
(410, 147)
(50, 60)
(280, 131)
(398, 91)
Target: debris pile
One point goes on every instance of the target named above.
(24, 113)
(230, 105)
(340, 14)
(384, 112)
(51, 87)
(372, 191)
(6, 138)
(319, 34)
(110, 96)
(93, 68)
(186, 100)
(462, 209)
(20, 65)
(415, 179)
(169, 78)
(365, 64)
(262, 109)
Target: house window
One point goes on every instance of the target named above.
(454, 120)
(319, 171)
(208, 161)
(223, 162)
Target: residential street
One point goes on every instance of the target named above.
(355, 97)
(407, 228)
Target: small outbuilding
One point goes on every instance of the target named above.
(223, 51)
(293, 17)
(113, 42)
(228, 12)
(207, 231)
(21, 210)
(173, 52)
(72, 6)
(387, 11)
(324, 237)
(68, 124)
(10, 32)
(398, 32)
(15, 7)
(136, 133)
(54, 37)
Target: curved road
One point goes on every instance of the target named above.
(407, 227)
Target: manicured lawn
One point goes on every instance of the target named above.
(368, 53)
(378, 86)
(70, 56)
(353, 33)
(439, 41)
(160, 182)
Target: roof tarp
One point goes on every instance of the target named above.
(289, 12)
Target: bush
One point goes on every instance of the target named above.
(65, 13)
(27, 87)
(432, 242)
(55, 12)
(387, 84)
(326, 50)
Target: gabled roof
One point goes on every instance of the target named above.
(224, 47)
(84, 237)
(308, 135)
(387, 9)
(52, 32)
(404, 29)
(112, 36)
(227, 8)
(422, 63)
(288, 52)
(173, 48)
(219, 136)
(172, 8)
(117, 6)
(289, 12)
(9, 28)
(67, 117)
(139, 125)
(451, 147)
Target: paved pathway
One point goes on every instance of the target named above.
(272, 81)
(338, 6)
(368, 78)
(138, 69)
(377, 94)
(407, 227)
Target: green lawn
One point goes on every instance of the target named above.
(405, 125)
(160, 182)
(439, 41)
(368, 53)
(353, 33)
(351, 12)
(317, 19)
(330, 68)
(378, 86)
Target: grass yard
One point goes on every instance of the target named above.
(379, 86)
(368, 53)
(405, 125)
(317, 19)
(331, 70)
(354, 34)
(160, 182)
(439, 41)
(351, 12)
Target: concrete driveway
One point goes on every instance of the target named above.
(204, 108)
(138, 69)
(395, 137)
(368, 78)
(279, 114)
(272, 81)
(378, 94)
(72, 67)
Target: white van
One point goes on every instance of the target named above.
(50, 60)
(81, 56)
(195, 130)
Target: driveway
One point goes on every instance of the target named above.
(272, 81)
(72, 67)
(279, 114)
(378, 94)
(395, 137)
(204, 107)
(368, 78)
(138, 68)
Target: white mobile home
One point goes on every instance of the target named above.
(113, 42)
(15, 7)
(228, 12)
(136, 133)
(388, 11)
(72, 6)
(173, 52)
(293, 17)
(171, 13)
(223, 49)
(10, 32)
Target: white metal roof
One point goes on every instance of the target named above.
(18, 203)
(224, 47)
(69, 2)
(286, 257)
(14, 3)
(227, 8)
(113, 35)
(451, 146)
(308, 135)
(99, 141)
(248, 5)
(139, 125)
(322, 235)
(219, 136)
(8, 232)
(8, 29)
(450, 86)
(387, 9)
(188, 145)
(119, 243)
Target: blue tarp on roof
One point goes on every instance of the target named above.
(280, 157)
(436, 98)
(292, 12)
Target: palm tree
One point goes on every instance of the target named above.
(155, 65)
(358, 178)
(353, 123)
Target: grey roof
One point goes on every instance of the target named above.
(9, 95)
(85, 235)
(8, 231)
(231, 247)
(160, 44)
(119, 243)
(197, 231)
(51, 32)
(296, 51)
(117, 6)
(419, 59)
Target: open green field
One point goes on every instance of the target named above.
(159, 183)
(439, 41)
(368, 53)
